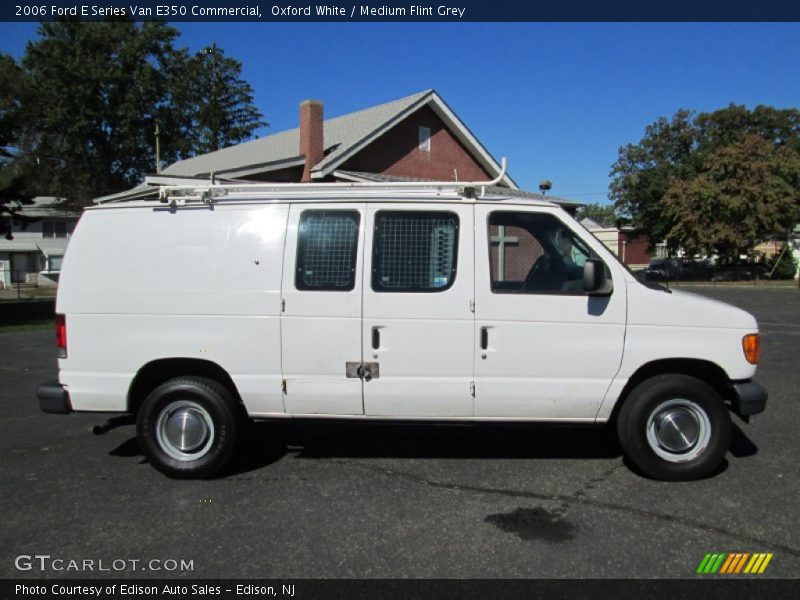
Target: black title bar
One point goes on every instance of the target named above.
(414, 589)
(403, 11)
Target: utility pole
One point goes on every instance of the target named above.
(158, 152)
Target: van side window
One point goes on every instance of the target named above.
(414, 251)
(327, 249)
(535, 253)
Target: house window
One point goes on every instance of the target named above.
(327, 248)
(414, 251)
(54, 263)
(54, 229)
(425, 139)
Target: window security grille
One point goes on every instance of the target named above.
(327, 250)
(414, 251)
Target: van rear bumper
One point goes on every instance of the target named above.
(53, 398)
(749, 398)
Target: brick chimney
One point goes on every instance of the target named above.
(311, 140)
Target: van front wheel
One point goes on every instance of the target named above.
(674, 428)
(188, 427)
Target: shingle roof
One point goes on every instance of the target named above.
(45, 206)
(591, 224)
(340, 135)
(16, 246)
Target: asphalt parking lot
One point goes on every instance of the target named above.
(352, 502)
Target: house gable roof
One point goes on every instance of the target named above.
(344, 136)
(45, 206)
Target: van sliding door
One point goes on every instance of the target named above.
(418, 323)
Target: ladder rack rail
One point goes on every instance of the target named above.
(212, 191)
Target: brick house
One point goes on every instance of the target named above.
(630, 246)
(418, 137)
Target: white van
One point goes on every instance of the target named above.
(429, 302)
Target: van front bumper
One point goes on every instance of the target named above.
(749, 398)
(53, 398)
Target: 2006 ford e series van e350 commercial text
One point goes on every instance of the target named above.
(419, 301)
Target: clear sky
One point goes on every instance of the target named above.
(557, 99)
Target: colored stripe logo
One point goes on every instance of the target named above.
(734, 563)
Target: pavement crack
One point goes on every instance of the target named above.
(577, 498)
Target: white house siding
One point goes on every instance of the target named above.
(609, 236)
(34, 257)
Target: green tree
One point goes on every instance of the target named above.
(11, 92)
(690, 180)
(215, 105)
(13, 187)
(643, 172)
(743, 192)
(604, 215)
(783, 265)
(96, 91)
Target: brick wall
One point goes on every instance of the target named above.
(397, 152)
(633, 248)
(519, 255)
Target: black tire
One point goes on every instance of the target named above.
(654, 405)
(218, 418)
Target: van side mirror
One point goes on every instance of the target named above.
(595, 281)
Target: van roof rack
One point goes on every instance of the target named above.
(209, 191)
(213, 191)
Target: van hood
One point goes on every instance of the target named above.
(648, 306)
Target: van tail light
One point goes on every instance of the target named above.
(61, 336)
(751, 345)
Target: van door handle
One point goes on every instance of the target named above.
(376, 338)
(484, 338)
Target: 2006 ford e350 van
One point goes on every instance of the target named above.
(439, 302)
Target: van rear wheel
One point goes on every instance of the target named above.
(189, 426)
(674, 428)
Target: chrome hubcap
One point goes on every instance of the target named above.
(678, 430)
(184, 430)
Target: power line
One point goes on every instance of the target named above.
(587, 194)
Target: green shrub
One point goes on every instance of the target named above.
(786, 265)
